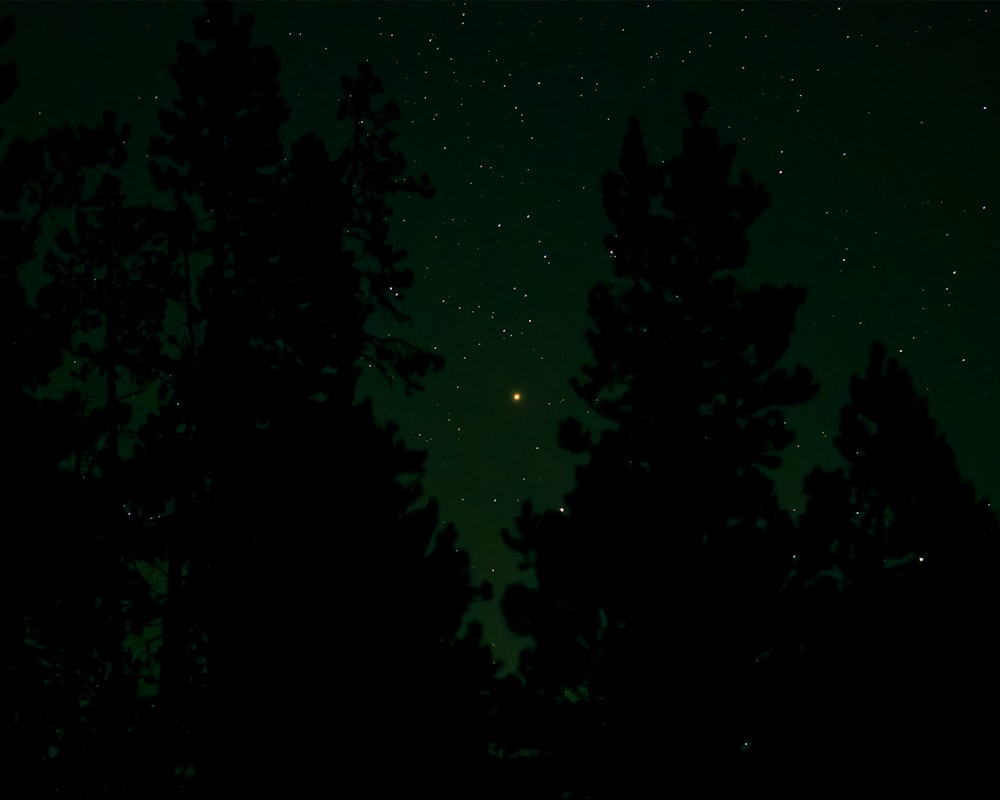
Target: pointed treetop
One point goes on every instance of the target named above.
(697, 105)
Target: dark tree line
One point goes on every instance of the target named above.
(686, 631)
(221, 573)
(232, 571)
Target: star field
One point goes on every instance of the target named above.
(872, 126)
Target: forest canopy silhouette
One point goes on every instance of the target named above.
(236, 580)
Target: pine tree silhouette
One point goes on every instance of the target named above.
(336, 596)
(61, 626)
(654, 583)
(312, 616)
(893, 592)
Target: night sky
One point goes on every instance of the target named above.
(874, 128)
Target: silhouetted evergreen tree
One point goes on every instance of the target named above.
(110, 271)
(336, 597)
(893, 596)
(28, 353)
(58, 590)
(655, 583)
(308, 576)
(218, 158)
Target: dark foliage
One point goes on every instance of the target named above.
(891, 601)
(64, 577)
(222, 576)
(328, 579)
(654, 583)
(310, 619)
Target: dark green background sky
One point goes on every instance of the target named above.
(874, 128)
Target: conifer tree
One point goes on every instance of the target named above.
(62, 591)
(336, 596)
(893, 592)
(655, 578)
